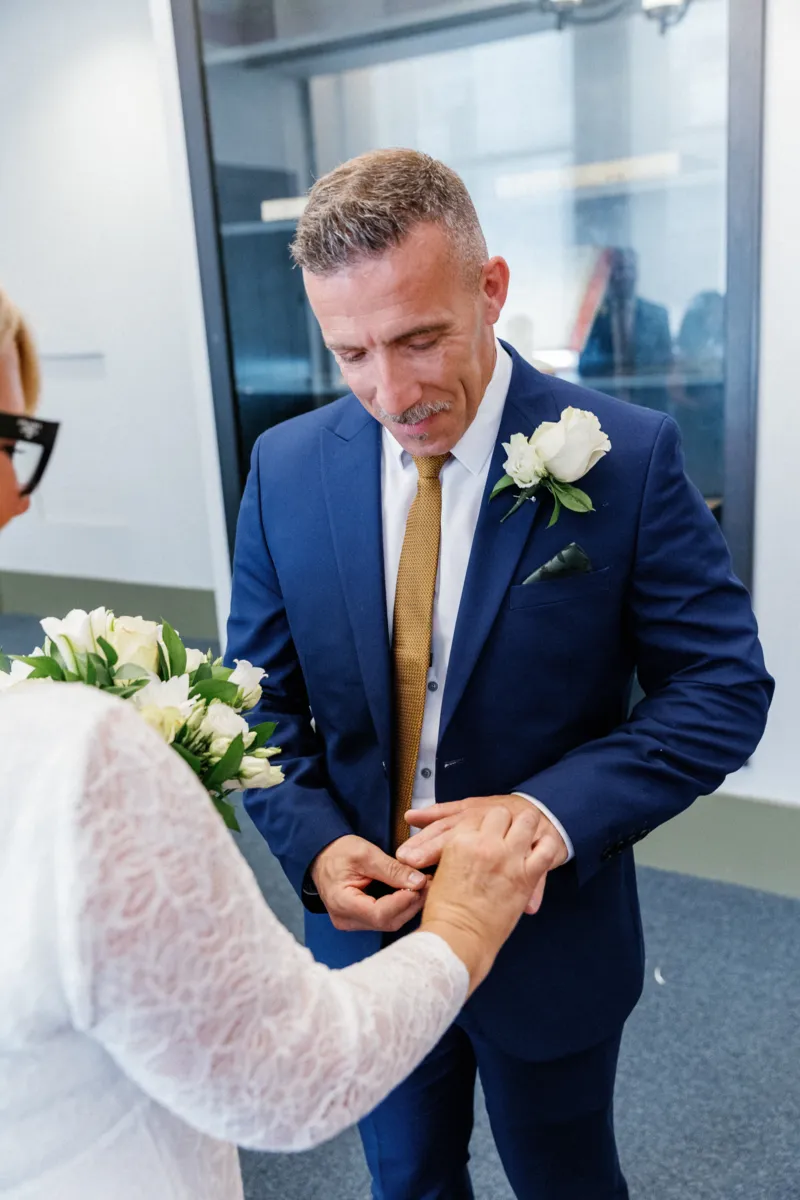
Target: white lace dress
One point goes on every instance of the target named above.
(153, 1011)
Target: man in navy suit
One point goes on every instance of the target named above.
(526, 700)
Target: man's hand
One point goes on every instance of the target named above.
(343, 871)
(438, 822)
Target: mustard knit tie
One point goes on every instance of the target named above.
(412, 628)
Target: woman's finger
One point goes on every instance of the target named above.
(523, 830)
(496, 821)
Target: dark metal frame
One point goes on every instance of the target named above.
(745, 146)
(197, 132)
(747, 27)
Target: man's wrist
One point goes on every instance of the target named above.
(554, 821)
(309, 894)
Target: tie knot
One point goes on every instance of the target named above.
(428, 467)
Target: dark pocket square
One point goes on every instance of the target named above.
(572, 560)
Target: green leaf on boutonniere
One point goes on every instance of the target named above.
(175, 649)
(525, 494)
(228, 766)
(501, 485)
(571, 497)
(216, 689)
(220, 671)
(44, 667)
(556, 510)
(5, 662)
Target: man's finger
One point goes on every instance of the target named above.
(399, 907)
(378, 865)
(407, 852)
(420, 817)
(541, 859)
(428, 853)
(535, 902)
(364, 910)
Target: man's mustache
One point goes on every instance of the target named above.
(413, 415)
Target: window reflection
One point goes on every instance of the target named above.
(596, 158)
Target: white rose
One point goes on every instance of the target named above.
(101, 622)
(256, 772)
(71, 636)
(523, 463)
(569, 448)
(136, 642)
(248, 678)
(18, 672)
(165, 705)
(194, 658)
(221, 725)
(165, 721)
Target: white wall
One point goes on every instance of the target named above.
(96, 245)
(775, 771)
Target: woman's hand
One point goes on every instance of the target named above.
(486, 877)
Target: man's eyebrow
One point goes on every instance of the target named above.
(407, 336)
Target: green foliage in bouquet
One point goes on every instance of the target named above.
(190, 698)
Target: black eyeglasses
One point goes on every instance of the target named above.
(29, 443)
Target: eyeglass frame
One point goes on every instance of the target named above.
(35, 432)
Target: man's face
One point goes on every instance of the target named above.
(624, 273)
(413, 336)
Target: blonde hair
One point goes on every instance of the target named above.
(13, 328)
(371, 203)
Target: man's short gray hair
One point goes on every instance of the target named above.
(371, 203)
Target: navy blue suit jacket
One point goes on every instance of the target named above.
(537, 692)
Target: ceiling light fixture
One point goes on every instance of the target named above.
(591, 12)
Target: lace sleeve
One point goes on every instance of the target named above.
(174, 962)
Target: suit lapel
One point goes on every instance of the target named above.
(351, 473)
(497, 545)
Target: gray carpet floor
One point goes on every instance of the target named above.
(708, 1102)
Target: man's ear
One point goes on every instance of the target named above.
(495, 276)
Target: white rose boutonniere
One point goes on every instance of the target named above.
(555, 455)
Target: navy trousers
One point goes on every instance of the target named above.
(552, 1124)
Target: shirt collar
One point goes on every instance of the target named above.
(478, 442)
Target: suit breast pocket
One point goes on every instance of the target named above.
(547, 592)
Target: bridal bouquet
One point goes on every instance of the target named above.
(192, 700)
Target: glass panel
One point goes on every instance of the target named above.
(596, 157)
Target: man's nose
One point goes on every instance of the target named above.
(396, 388)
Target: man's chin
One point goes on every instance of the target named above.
(427, 442)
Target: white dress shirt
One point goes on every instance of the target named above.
(463, 479)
